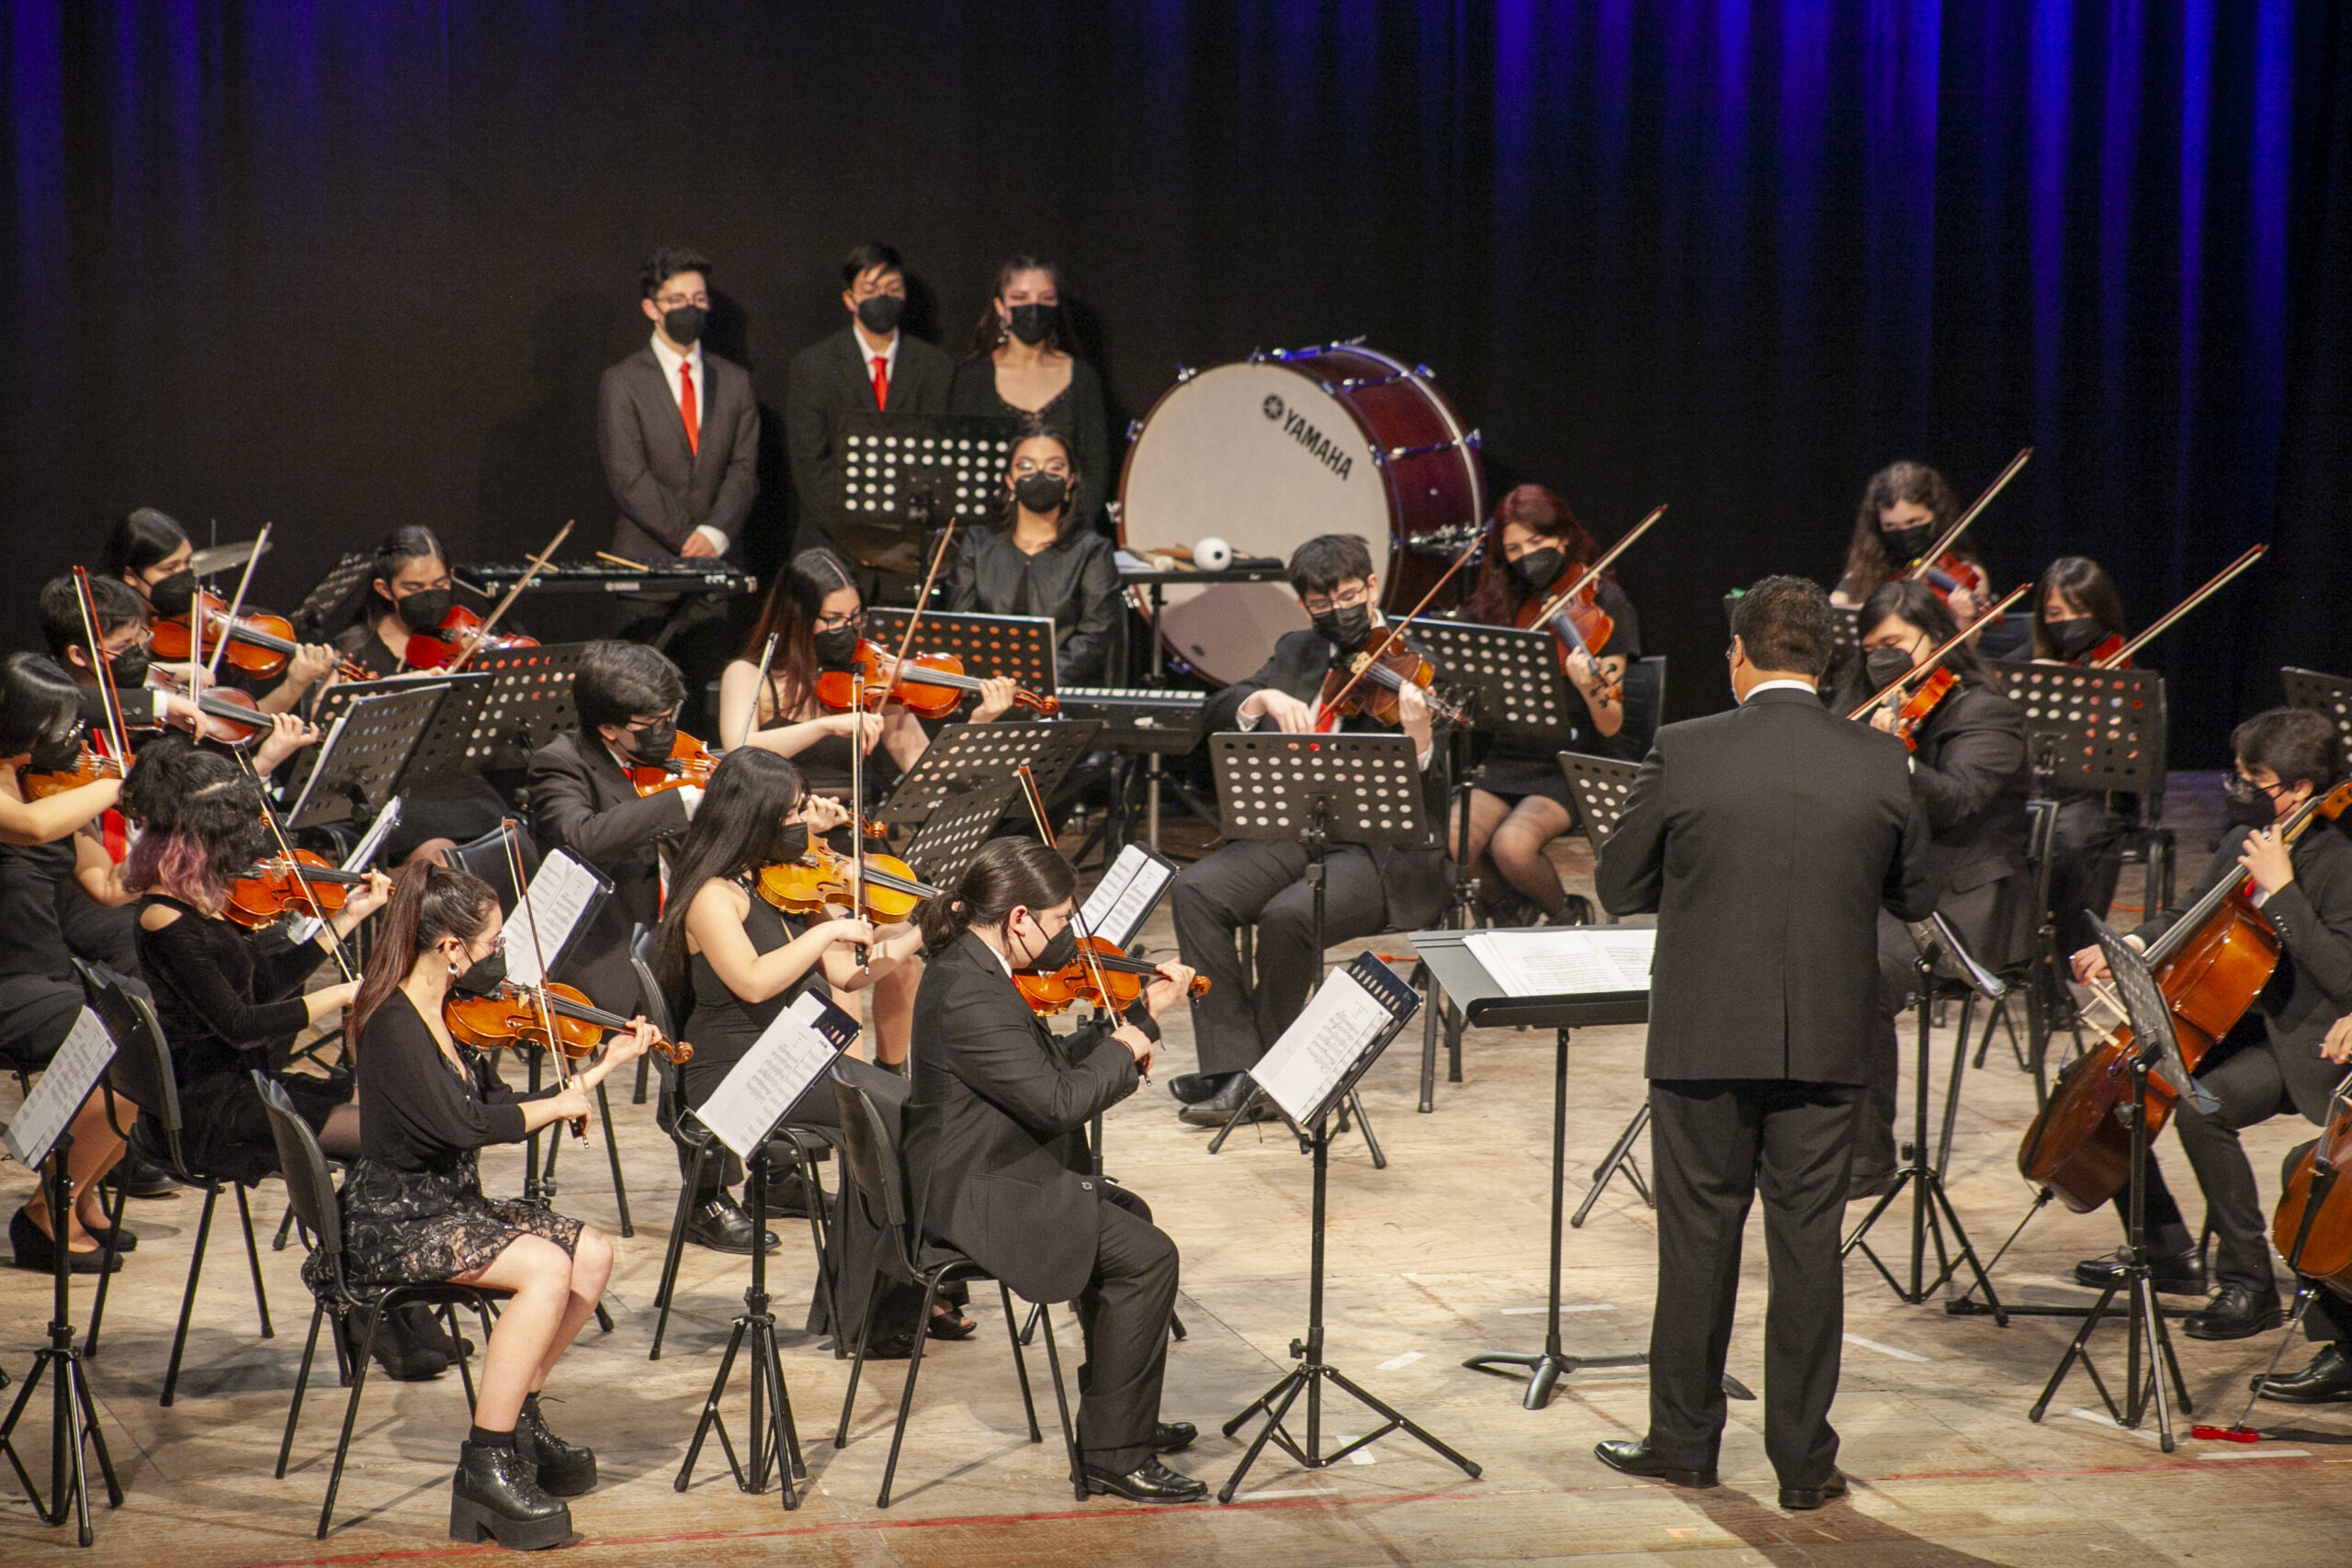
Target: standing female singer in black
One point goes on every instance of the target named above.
(414, 1211)
(1004, 1158)
(1534, 548)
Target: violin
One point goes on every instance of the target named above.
(824, 876)
(93, 766)
(259, 643)
(1946, 572)
(1936, 682)
(2210, 965)
(1580, 623)
(460, 635)
(691, 764)
(1370, 683)
(231, 710)
(937, 694)
(1056, 991)
(308, 883)
(511, 1020)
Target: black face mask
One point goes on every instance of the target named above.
(1041, 493)
(1904, 545)
(879, 313)
(791, 841)
(173, 594)
(837, 648)
(58, 754)
(425, 612)
(1059, 949)
(684, 323)
(2072, 640)
(1347, 628)
(652, 746)
(1885, 666)
(2246, 805)
(1033, 324)
(129, 667)
(484, 978)
(1540, 568)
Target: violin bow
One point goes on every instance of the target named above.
(751, 714)
(1559, 601)
(1918, 570)
(1935, 656)
(2164, 623)
(531, 569)
(229, 622)
(109, 701)
(507, 835)
(294, 869)
(914, 618)
(1036, 803)
(1391, 630)
(856, 805)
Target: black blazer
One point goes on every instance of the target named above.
(833, 377)
(1418, 878)
(1973, 773)
(1079, 416)
(2312, 987)
(582, 801)
(665, 488)
(1074, 580)
(996, 1143)
(1768, 839)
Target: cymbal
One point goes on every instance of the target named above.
(220, 558)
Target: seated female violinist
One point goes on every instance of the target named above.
(150, 551)
(1534, 548)
(1970, 772)
(1042, 561)
(1905, 507)
(2327, 1378)
(2076, 611)
(414, 1211)
(45, 857)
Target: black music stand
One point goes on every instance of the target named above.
(963, 757)
(2158, 1052)
(904, 474)
(1313, 1371)
(955, 830)
(453, 745)
(1931, 1207)
(1602, 785)
(1515, 675)
(360, 765)
(1020, 648)
(2330, 694)
(527, 704)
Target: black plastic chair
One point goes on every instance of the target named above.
(310, 1189)
(870, 1150)
(141, 1073)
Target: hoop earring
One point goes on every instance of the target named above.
(453, 968)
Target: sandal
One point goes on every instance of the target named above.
(946, 1323)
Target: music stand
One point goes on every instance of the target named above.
(1019, 647)
(962, 757)
(955, 830)
(1516, 675)
(904, 474)
(2156, 1050)
(1602, 785)
(529, 702)
(357, 768)
(1399, 1001)
(2330, 694)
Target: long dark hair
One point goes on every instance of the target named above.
(734, 830)
(1006, 873)
(1867, 565)
(203, 824)
(1917, 604)
(1497, 591)
(139, 541)
(2084, 583)
(989, 335)
(40, 703)
(794, 601)
(412, 541)
(429, 902)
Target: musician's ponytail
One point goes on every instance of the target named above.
(1006, 873)
(428, 903)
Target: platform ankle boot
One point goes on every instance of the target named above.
(494, 1495)
(565, 1470)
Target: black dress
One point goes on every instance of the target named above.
(1077, 414)
(1074, 582)
(412, 1208)
(40, 995)
(1517, 766)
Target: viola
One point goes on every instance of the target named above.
(1579, 623)
(259, 643)
(460, 635)
(824, 877)
(691, 764)
(1058, 990)
(307, 885)
(92, 767)
(2210, 965)
(231, 710)
(511, 1020)
(937, 692)
(1370, 684)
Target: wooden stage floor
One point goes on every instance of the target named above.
(1438, 1257)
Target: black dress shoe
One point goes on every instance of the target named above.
(564, 1469)
(1798, 1499)
(142, 1179)
(947, 1323)
(1173, 1436)
(2181, 1274)
(2327, 1381)
(1193, 1088)
(492, 1495)
(1151, 1482)
(1218, 1107)
(1636, 1459)
(786, 1196)
(2236, 1312)
(37, 1254)
(405, 1355)
(720, 1224)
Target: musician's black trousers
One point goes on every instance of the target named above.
(1249, 880)
(2248, 1084)
(2085, 862)
(1715, 1143)
(1123, 1312)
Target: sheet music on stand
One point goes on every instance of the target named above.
(955, 829)
(963, 757)
(2151, 1016)
(359, 762)
(64, 1084)
(563, 898)
(1127, 894)
(1567, 961)
(1347, 1023)
(796, 1048)
(1600, 785)
(303, 928)
(1020, 648)
(1515, 673)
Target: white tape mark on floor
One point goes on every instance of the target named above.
(1884, 1349)
(1565, 1306)
(2258, 1453)
(1407, 1359)
(2101, 1418)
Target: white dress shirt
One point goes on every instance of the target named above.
(671, 359)
(1807, 687)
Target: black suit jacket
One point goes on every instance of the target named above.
(665, 488)
(1417, 877)
(833, 377)
(2312, 987)
(1973, 773)
(996, 1143)
(582, 801)
(1768, 839)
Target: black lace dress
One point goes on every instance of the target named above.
(413, 1207)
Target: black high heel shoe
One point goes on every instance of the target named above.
(492, 1495)
(36, 1253)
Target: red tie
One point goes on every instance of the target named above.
(881, 383)
(687, 406)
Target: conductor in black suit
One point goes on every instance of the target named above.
(1767, 838)
(869, 365)
(997, 1149)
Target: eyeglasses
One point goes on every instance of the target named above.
(1347, 598)
(1057, 467)
(640, 725)
(672, 301)
(833, 623)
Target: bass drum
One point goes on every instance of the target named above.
(1273, 450)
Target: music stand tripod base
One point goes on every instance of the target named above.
(773, 1436)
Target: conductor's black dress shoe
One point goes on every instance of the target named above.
(1173, 1437)
(1151, 1482)
(2327, 1381)
(1798, 1499)
(2236, 1312)
(1636, 1459)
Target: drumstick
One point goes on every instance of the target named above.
(623, 560)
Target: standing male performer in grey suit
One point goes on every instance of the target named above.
(1767, 838)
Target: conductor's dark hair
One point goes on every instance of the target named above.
(617, 680)
(61, 612)
(1324, 562)
(414, 541)
(733, 833)
(2084, 583)
(1006, 873)
(39, 703)
(2301, 745)
(429, 902)
(863, 259)
(1783, 623)
(139, 541)
(667, 262)
(1918, 604)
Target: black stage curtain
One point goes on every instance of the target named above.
(349, 267)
